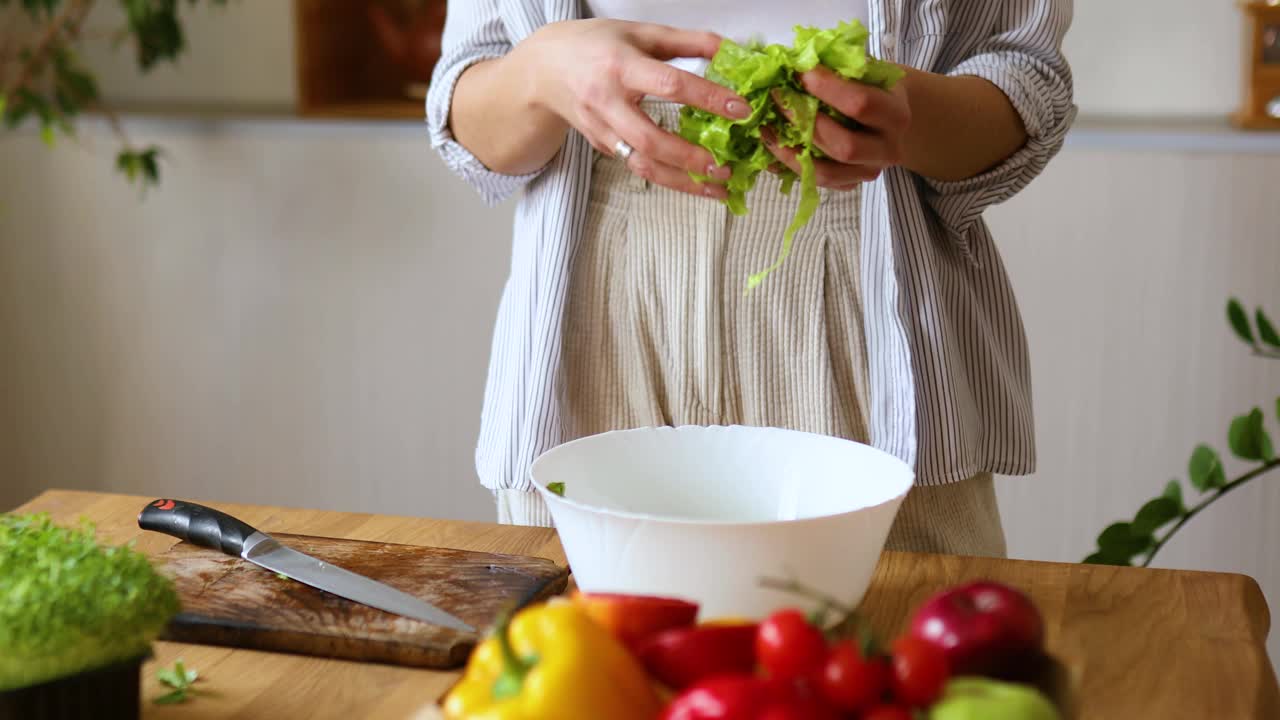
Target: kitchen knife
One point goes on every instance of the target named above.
(210, 528)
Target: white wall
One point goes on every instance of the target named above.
(1123, 262)
(1130, 57)
(300, 315)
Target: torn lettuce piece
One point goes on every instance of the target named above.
(755, 72)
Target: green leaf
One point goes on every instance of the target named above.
(1249, 439)
(1173, 491)
(1119, 541)
(47, 134)
(1205, 469)
(127, 162)
(4, 103)
(1154, 515)
(1266, 331)
(557, 488)
(1105, 558)
(171, 698)
(156, 31)
(1239, 321)
(170, 677)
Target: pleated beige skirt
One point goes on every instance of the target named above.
(658, 331)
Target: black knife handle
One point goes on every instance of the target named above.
(196, 524)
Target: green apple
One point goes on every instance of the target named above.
(979, 698)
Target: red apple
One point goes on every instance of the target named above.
(635, 618)
(983, 627)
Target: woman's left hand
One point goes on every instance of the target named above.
(853, 156)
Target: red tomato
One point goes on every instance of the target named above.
(811, 709)
(919, 671)
(850, 681)
(795, 700)
(787, 646)
(887, 712)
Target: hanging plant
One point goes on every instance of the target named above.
(44, 80)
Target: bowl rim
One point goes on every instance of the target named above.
(552, 498)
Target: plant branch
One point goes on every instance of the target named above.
(1264, 352)
(69, 19)
(116, 126)
(9, 44)
(1186, 517)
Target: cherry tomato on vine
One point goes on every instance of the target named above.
(919, 671)
(787, 646)
(850, 681)
(887, 712)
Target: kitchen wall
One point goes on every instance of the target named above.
(300, 314)
(1136, 57)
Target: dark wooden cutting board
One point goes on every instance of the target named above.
(232, 602)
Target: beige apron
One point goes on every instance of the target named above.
(658, 331)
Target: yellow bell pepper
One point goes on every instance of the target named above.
(552, 662)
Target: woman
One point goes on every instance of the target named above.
(892, 322)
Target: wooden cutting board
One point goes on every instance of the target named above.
(232, 602)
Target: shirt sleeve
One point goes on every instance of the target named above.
(473, 32)
(1024, 59)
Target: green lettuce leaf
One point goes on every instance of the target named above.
(766, 75)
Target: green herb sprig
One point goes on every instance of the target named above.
(180, 678)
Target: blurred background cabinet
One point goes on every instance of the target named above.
(366, 58)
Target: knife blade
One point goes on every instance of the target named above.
(210, 528)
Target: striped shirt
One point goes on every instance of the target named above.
(949, 378)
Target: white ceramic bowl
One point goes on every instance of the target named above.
(703, 513)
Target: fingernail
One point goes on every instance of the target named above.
(738, 108)
(713, 191)
(719, 172)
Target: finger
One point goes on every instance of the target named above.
(665, 42)
(867, 104)
(646, 76)
(597, 132)
(826, 173)
(646, 138)
(848, 146)
(851, 147)
(672, 177)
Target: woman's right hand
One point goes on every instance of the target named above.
(594, 73)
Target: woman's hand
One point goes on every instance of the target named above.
(853, 156)
(594, 73)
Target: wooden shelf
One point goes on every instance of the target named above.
(367, 110)
(343, 71)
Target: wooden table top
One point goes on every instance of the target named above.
(1137, 643)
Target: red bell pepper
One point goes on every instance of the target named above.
(680, 657)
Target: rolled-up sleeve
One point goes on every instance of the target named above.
(1024, 59)
(473, 32)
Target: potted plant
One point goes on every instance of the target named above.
(44, 80)
(77, 619)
